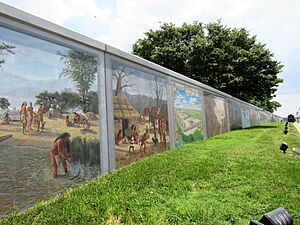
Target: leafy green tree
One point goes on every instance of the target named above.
(92, 102)
(5, 49)
(4, 103)
(230, 60)
(48, 99)
(81, 68)
(66, 100)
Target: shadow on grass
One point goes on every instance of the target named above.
(261, 127)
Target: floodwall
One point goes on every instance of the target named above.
(73, 108)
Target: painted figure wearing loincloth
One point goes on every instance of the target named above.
(23, 114)
(29, 116)
(60, 153)
(40, 115)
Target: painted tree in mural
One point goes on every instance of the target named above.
(81, 68)
(120, 74)
(48, 99)
(157, 89)
(4, 103)
(5, 49)
(227, 59)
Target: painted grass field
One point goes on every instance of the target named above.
(53, 128)
(228, 179)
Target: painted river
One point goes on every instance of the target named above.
(25, 177)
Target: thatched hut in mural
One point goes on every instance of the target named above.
(124, 112)
(90, 116)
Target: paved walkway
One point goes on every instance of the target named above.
(297, 125)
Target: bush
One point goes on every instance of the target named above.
(87, 151)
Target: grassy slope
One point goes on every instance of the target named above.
(228, 179)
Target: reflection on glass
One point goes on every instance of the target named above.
(48, 100)
(246, 119)
(235, 115)
(253, 119)
(140, 113)
(187, 114)
(216, 115)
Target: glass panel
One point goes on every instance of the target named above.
(216, 116)
(245, 117)
(140, 113)
(47, 92)
(253, 119)
(188, 117)
(235, 116)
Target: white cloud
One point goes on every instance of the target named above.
(59, 11)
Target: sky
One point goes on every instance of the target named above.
(186, 98)
(121, 23)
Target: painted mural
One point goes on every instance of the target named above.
(140, 113)
(246, 118)
(216, 115)
(188, 114)
(49, 125)
(235, 116)
(254, 117)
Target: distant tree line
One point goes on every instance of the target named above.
(68, 100)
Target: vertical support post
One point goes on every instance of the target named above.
(172, 127)
(204, 115)
(110, 113)
(102, 106)
(227, 112)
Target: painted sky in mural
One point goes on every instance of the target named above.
(34, 67)
(187, 98)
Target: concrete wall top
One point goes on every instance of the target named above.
(22, 17)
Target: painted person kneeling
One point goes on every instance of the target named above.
(60, 153)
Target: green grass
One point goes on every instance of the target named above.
(228, 179)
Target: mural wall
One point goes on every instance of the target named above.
(188, 115)
(49, 119)
(246, 117)
(140, 113)
(254, 117)
(49, 126)
(235, 115)
(216, 114)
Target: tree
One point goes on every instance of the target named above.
(5, 49)
(66, 100)
(48, 99)
(157, 88)
(81, 68)
(230, 60)
(120, 73)
(4, 103)
(92, 102)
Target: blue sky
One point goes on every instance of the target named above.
(121, 22)
(186, 99)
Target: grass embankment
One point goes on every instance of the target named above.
(228, 179)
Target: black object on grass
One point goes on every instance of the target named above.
(291, 118)
(284, 147)
(276, 217)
